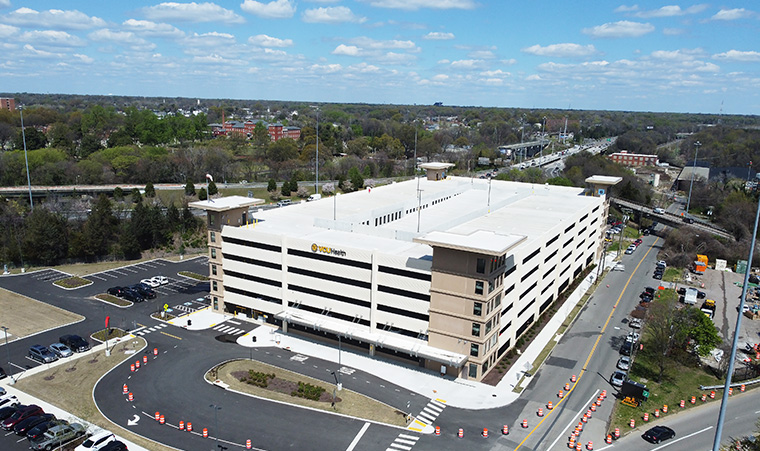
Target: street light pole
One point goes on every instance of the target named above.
(414, 163)
(5, 329)
(693, 170)
(26, 158)
(316, 162)
(729, 373)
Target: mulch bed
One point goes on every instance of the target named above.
(284, 386)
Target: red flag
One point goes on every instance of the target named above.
(108, 320)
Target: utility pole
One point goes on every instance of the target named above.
(316, 162)
(693, 170)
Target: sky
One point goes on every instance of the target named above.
(644, 56)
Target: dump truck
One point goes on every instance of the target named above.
(708, 308)
(700, 264)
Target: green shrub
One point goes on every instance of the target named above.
(257, 378)
(308, 391)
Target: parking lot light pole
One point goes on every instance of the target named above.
(5, 329)
(693, 170)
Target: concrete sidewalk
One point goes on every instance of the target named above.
(460, 393)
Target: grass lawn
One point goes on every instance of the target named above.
(69, 386)
(193, 275)
(351, 403)
(72, 282)
(679, 383)
(26, 316)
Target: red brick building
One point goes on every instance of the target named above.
(634, 159)
(7, 103)
(276, 131)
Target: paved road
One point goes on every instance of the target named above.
(695, 428)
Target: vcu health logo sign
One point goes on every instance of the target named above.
(327, 250)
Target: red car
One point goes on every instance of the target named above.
(21, 414)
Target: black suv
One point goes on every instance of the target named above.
(133, 296)
(143, 291)
(75, 343)
(116, 291)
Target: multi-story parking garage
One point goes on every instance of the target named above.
(446, 271)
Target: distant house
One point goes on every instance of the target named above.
(634, 159)
(683, 181)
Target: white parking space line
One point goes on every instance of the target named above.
(358, 437)
(96, 277)
(129, 269)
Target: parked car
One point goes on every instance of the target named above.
(133, 296)
(658, 434)
(624, 363)
(41, 428)
(145, 292)
(284, 202)
(160, 280)
(617, 378)
(75, 343)
(629, 250)
(635, 323)
(701, 294)
(626, 348)
(150, 282)
(115, 446)
(681, 291)
(56, 436)
(7, 411)
(9, 400)
(21, 414)
(42, 354)
(97, 441)
(116, 291)
(24, 426)
(2, 373)
(659, 211)
(61, 350)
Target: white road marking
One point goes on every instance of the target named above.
(358, 437)
(562, 433)
(683, 438)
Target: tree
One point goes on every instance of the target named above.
(172, 217)
(35, 139)
(118, 193)
(294, 183)
(136, 196)
(356, 178)
(285, 190)
(303, 192)
(272, 185)
(45, 237)
(212, 188)
(202, 194)
(189, 189)
(150, 191)
(660, 333)
(328, 188)
(98, 230)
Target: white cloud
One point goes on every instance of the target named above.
(732, 14)
(626, 9)
(51, 38)
(277, 9)
(412, 5)
(364, 68)
(677, 55)
(84, 58)
(326, 68)
(673, 31)
(33, 52)
(217, 59)
(212, 39)
(440, 77)
(5, 3)
(331, 15)
(370, 43)
(534, 77)
(467, 64)
(671, 11)
(7, 31)
(263, 40)
(438, 36)
(444, 61)
(148, 28)
(495, 73)
(191, 12)
(509, 62)
(738, 56)
(481, 54)
(53, 18)
(561, 50)
(126, 38)
(620, 29)
(347, 50)
(395, 58)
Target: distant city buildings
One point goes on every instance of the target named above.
(276, 131)
(634, 159)
(7, 103)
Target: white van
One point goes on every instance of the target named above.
(314, 197)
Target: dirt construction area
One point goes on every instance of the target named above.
(25, 316)
(725, 289)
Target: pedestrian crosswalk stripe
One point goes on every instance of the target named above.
(434, 408)
(396, 445)
(405, 442)
(409, 437)
(422, 416)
